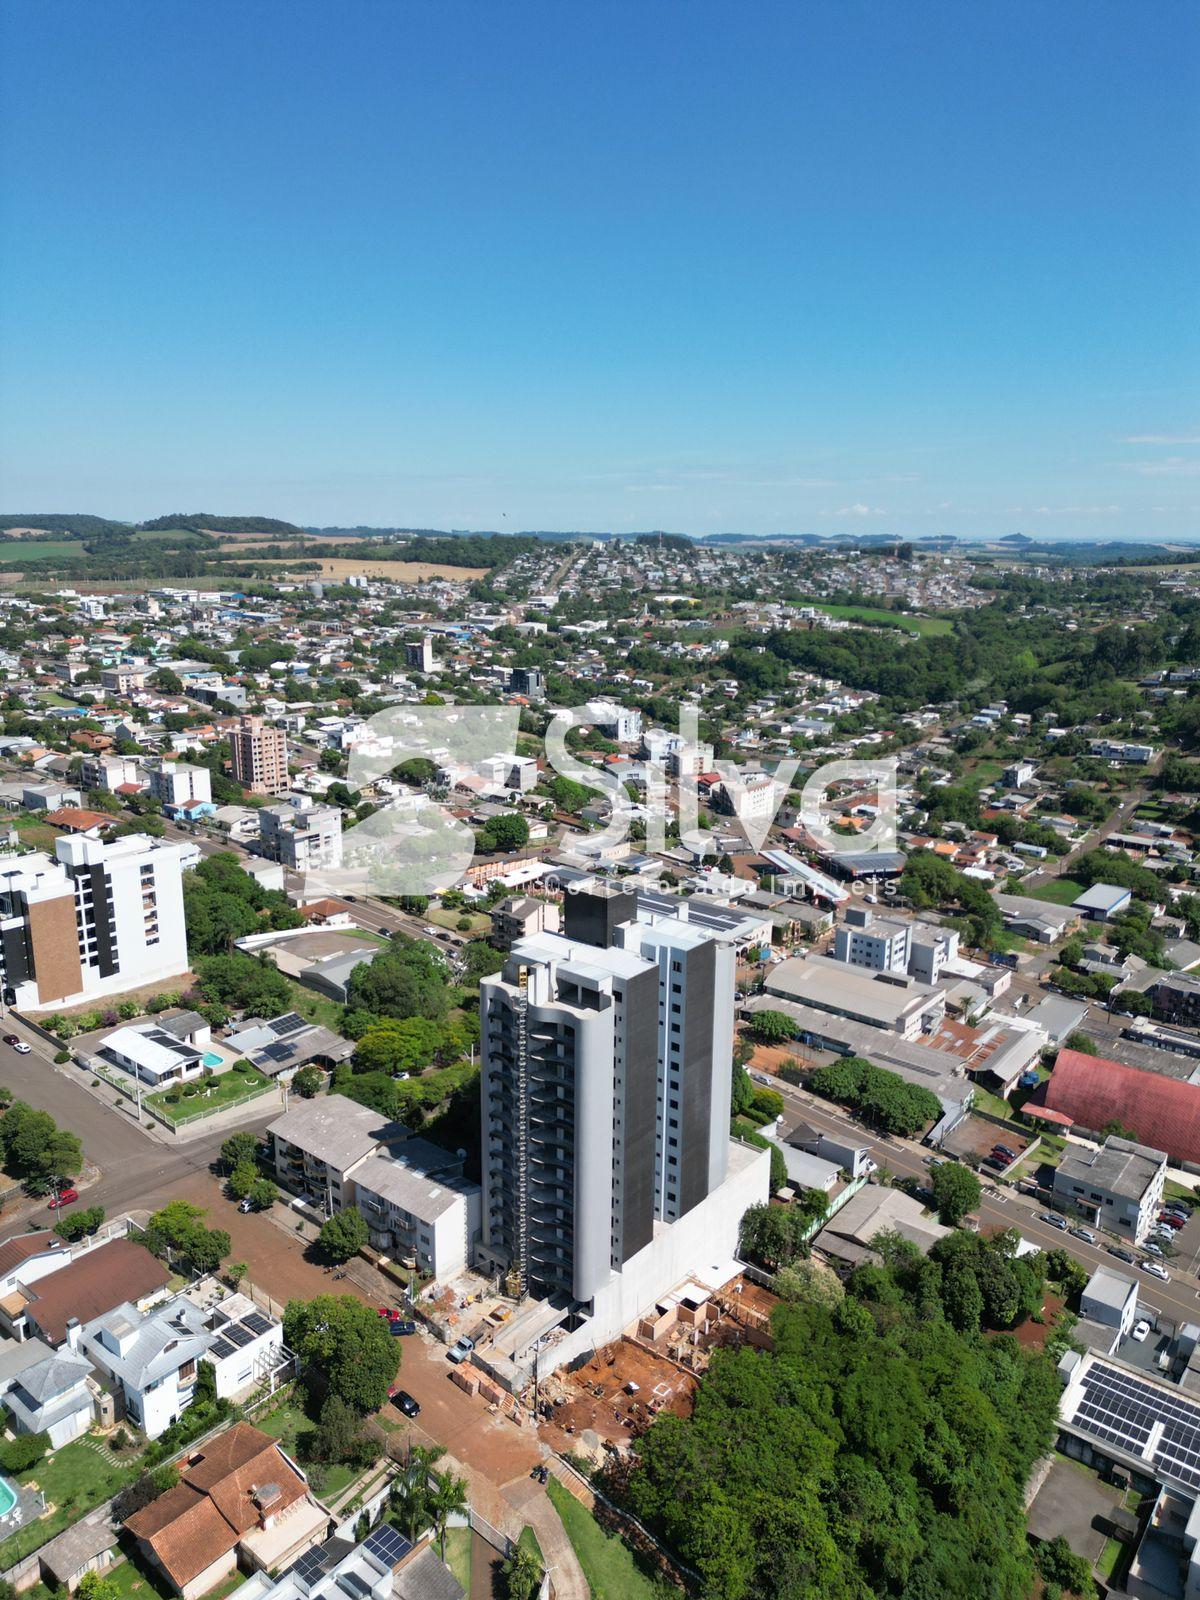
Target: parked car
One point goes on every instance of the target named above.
(931, 1161)
(461, 1350)
(1121, 1253)
(64, 1197)
(403, 1401)
(1172, 1219)
(1139, 1331)
(399, 1326)
(16, 1044)
(1152, 1248)
(245, 1205)
(1085, 1234)
(1156, 1271)
(1003, 1150)
(1053, 1220)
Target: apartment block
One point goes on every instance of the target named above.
(302, 835)
(94, 919)
(605, 1108)
(1119, 1186)
(259, 756)
(177, 783)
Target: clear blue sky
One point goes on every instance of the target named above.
(899, 267)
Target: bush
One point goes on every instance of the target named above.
(23, 1452)
(61, 1057)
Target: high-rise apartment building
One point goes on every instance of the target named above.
(259, 754)
(607, 1161)
(93, 919)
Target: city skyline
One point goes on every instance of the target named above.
(825, 270)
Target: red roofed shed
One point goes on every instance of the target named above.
(1093, 1091)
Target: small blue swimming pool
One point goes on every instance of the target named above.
(211, 1059)
(8, 1496)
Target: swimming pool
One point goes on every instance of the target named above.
(8, 1496)
(211, 1059)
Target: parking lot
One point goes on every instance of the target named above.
(974, 1136)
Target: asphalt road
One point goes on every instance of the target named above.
(136, 1170)
(1178, 1300)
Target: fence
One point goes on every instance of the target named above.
(172, 1124)
(631, 1529)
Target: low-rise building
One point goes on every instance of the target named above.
(302, 835)
(1118, 1186)
(882, 1000)
(1102, 902)
(520, 915)
(433, 1221)
(53, 1398)
(1110, 1298)
(149, 1358)
(318, 1143)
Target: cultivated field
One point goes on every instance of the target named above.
(399, 571)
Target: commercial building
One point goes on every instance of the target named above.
(301, 835)
(1119, 1186)
(1110, 1299)
(886, 1000)
(510, 772)
(528, 681)
(608, 1169)
(1094, 1091)
(95, 919)
(880, 944)
(1102, 901)
(1176, 998)
(259, 756)
(614, 721)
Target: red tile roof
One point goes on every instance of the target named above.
(92, 1284)
(1093, 1091)
(77, 821)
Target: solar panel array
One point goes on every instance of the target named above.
(1124, 1409)
(257, 1323)
(309, 1567)
(279, 1052)
(291, 1022)
(385, 1542)
(222, 1349)
(237, 1335)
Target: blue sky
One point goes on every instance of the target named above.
(903, 268)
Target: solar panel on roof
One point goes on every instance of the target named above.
(290, 1022)
(257, 1323)
(222, 1348)
(238, 1334)
(388, 1544)
(279, 1052)
(309, 1567)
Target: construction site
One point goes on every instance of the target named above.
(612, 1398)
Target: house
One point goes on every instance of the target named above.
(89, 1546)
(238, 1498)
(279, 1048)
(152, 1054)
(1119, 1186)
(385, 1566)
(26, 1257)
(150, 1359)
(71, 819)
(1110, 1298)
(53, 1397)
(1036, 919)
(94, 1282)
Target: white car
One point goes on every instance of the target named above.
(1139, 1331)
(1156, 1271)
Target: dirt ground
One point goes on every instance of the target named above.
(974, 1136)
(1033, 1335)
(601, 1401)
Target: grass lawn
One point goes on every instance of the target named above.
(607, 1561)
(529, 1541)
(1177, 1191)
(984, 772)
(441, 918)
(23, 552)
(985, 1100)
(316, 1008)
(458, 1554)
(1059, 891)
(74, 1480)
(220, 1092)
(893, 619)
(35, 833)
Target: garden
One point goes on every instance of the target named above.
(211, 1093)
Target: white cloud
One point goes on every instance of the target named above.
(858, 509)
(1169, 467)
(1163, 438)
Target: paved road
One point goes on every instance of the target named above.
(1179, 1299)
(136, 1170)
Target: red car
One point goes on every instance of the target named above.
(64, 1198)
(1171, 1222)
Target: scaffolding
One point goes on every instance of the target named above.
(517, 1280)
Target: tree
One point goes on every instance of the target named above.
(806, 1281)
(178, 1230)
(956, 1191)
(307, 1082)
(507, 832)
(1082, 1042)
(343, 1236)
(339, 1435)
(263, 1194)
(242, 1179)
(239, 1149)
(523, 1574)
(1058, 1563)
(407, 979)
(95, 1586)
(449, 1497)
(346, 1345)
(774, 1027)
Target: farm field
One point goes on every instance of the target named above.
(398, 571)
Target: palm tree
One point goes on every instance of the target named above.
(449, 1496)
(411, 1494)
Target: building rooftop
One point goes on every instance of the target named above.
(91, 1284)
(875, 997)
(335, 1130)
(1094, 1091)
(1106, 897)
(1109, 1288)
(1119, 1166)
(398, 1184)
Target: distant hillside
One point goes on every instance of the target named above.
(204, 522)
(77, 522)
